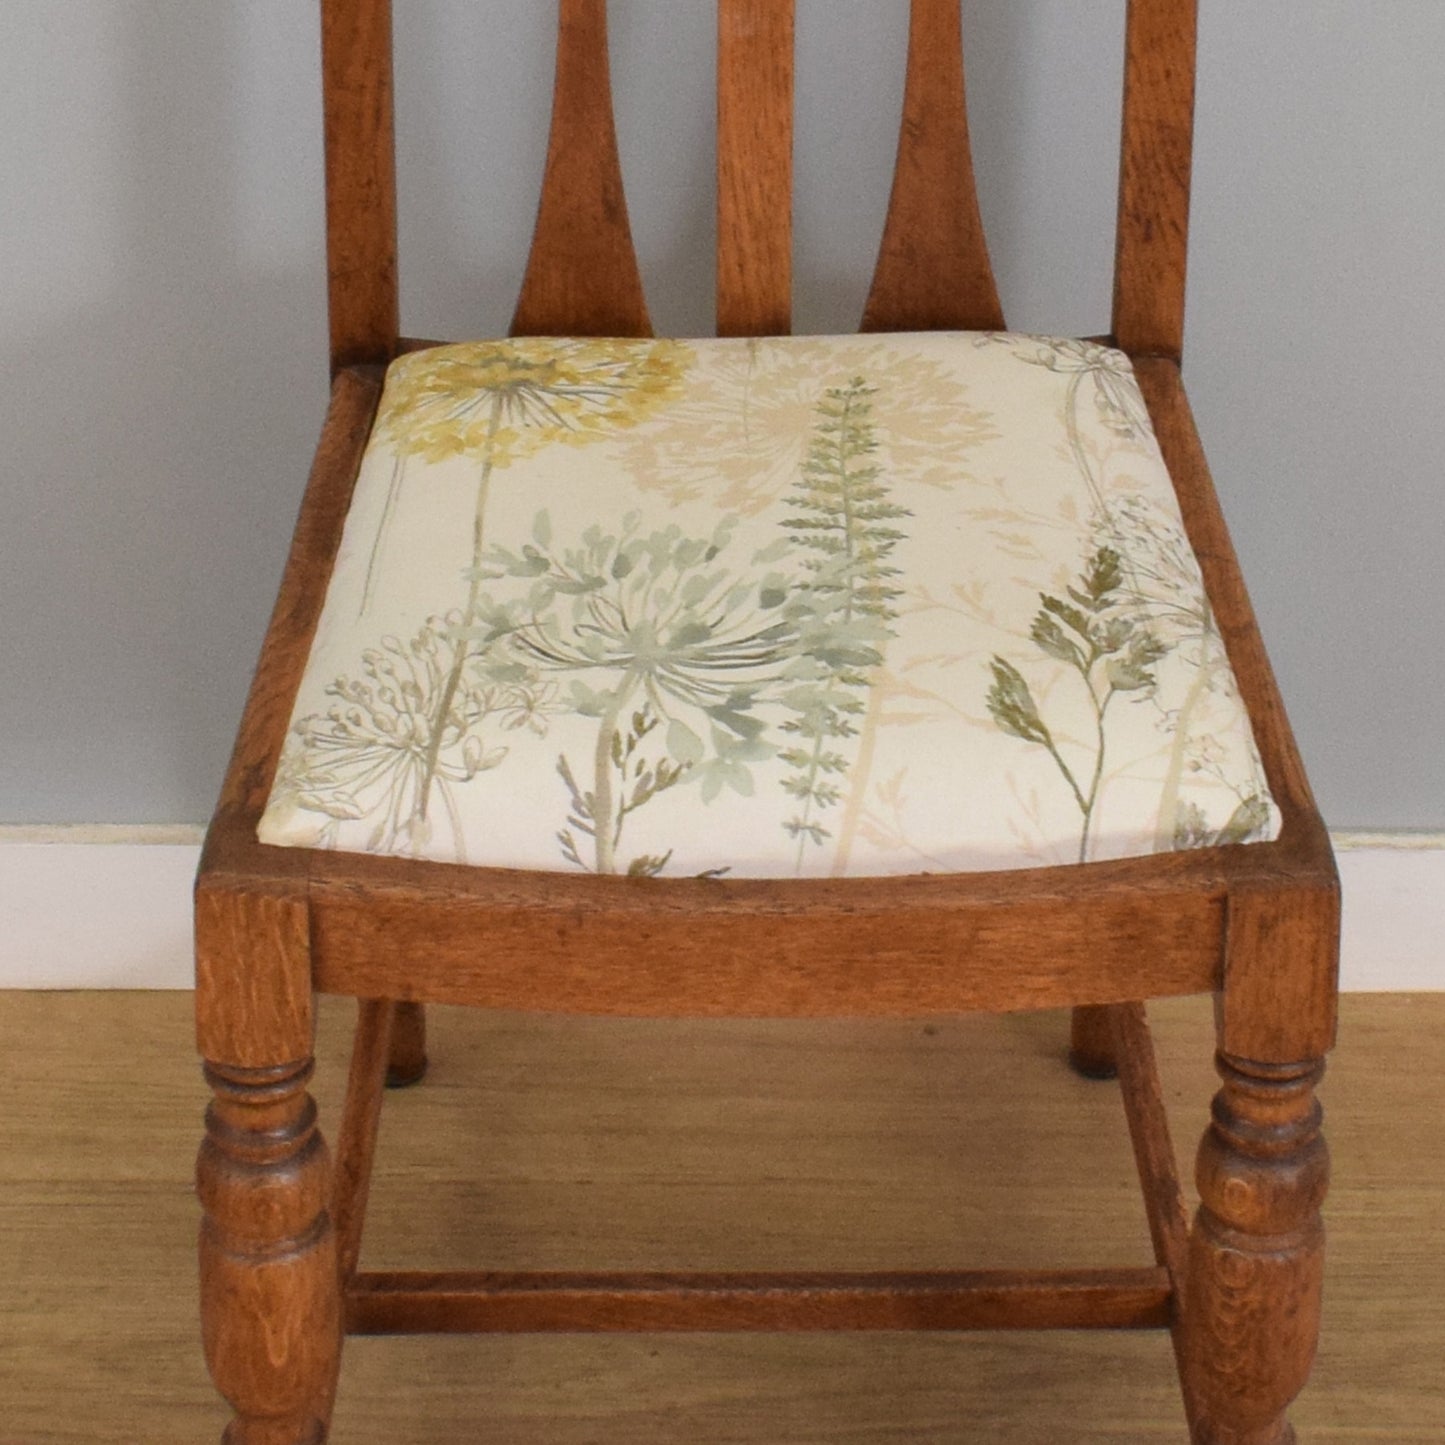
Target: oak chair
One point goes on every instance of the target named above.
(1256, 925)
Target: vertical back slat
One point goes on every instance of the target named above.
(360, 180)
(933, 271)
(755, 167)
(1154, 168)
(582, 277)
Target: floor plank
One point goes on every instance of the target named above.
(555, 1143)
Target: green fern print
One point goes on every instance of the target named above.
(845, 529)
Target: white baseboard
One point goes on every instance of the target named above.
(96, 907)
(1393, 914)
(110, 907)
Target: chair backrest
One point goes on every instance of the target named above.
(933, 269)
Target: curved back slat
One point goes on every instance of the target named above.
(360, 180)
(933, 271)
(755, 167)
(582, 277)
(1153, 234)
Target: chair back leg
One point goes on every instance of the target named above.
(407, 1060)
(1091, 1042)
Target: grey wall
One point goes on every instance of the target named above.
(162, 322)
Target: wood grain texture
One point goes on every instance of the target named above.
(1149, 1136)
(1305, 843)
(583, 1144)
(253, 941)
(253, 972)
(1282, 947)
(422, 1302)
(933, 271)
(1256, 1255)
(1152, 240)
(356, 1136)
(1281, 971)
(582, 277)
(361, 245)
(1158, 1168)
(755, 168)
(863, 947)
(270, 1296)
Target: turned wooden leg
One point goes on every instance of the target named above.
(1256, 1256)
(407, 1060)
(1091, 1043)
(270, 1295)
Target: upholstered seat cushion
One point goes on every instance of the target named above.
(774, 608)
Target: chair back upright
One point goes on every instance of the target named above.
(933, 270)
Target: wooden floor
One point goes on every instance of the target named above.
(574, 1144)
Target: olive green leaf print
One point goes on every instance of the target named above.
(1109, 650)
(702, 642)
(494, 404)
(778, 607)
(385, 737)
(1193, 830)
(845, 528)
(637, 780)
(1161, 582)
(1167, 593)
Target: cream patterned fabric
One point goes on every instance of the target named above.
(799, 607)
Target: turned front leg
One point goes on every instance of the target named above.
(1256, 1257)
(270, 1295)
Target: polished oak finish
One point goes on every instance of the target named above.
(429, 1303)
(1256, 1255)
(933, 271)
(1255, 925)
(956, 1141)
(582, 277)
(755, 167)
(270, 1315)
(1133, 1052)
(360, 1119)
(1154, 167)
(360, 181)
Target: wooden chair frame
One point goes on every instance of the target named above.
(1256, 925)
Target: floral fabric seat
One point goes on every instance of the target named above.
(766, 608)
